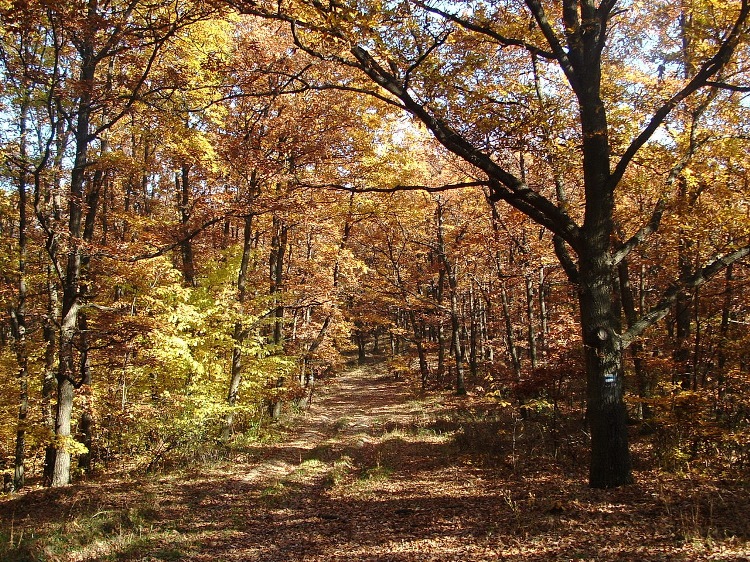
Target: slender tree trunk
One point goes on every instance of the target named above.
(441, 323)
(276, 270)
(510, 340)
(450, 273)
(182, 181)
(86, 396)
(458, 347)
(418, 331)
(530, 320)
(643, 384)
(71, 283)
(49, 375)
(474, 334)
(18, 315)
(240, 332)
(544, 331)
(726, 311)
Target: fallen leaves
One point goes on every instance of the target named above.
(382, 486)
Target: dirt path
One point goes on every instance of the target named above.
(369, 474)
(351, 412)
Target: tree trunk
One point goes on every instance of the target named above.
(240, 333)
(726, 312)
(48, 376)
(18, 314)
(530, 320)
(510, 340)
(450, 273)
(71, 281)
(182, 181)
(544, 328)
(86, 423)
(474, 334)
(276, 271)
(606, 415)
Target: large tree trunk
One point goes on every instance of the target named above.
(610, 457)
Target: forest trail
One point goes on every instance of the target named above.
(369, 473)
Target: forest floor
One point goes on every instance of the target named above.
(371, 473)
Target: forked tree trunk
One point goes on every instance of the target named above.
(71, 282)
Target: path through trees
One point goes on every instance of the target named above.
(371, 473)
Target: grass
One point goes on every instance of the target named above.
(92, 535)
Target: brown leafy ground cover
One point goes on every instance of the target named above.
(370, 473)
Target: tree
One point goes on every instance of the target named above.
(459, 70)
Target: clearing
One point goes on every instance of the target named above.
(371, 473)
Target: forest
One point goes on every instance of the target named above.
(209, 210)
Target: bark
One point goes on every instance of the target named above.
(510, 340)
(606, 414)
(530, 321)
(441, 324)
(544, 328)
(474, 334)
(49, 374)
(726, 311)
(86, 423)
(451, 277)
(276, 272)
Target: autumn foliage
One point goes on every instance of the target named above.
(204, 214)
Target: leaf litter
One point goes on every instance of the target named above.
(370, 473)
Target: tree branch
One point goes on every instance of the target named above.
(639, 237)
(661, 309)
(505, 186)
(557, 49)
(396, 188)
(730, 87)
(485, 30)
(168, 248)
(708, 69)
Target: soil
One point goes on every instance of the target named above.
(369, 472)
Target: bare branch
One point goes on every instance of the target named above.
(730, 87)
(396, 188)
(168, 248)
